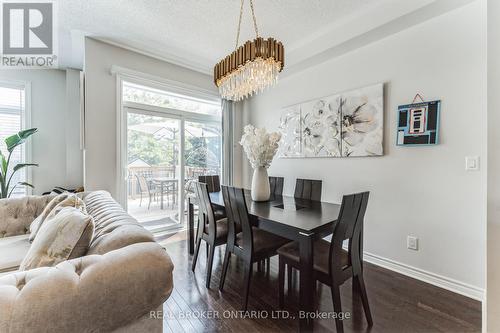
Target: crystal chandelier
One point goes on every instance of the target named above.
(252, 67)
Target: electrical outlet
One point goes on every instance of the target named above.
(472, 163)
(412, 243)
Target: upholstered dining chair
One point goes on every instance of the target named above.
(332, 264)
(213, 231)
(308, 189)
(251, 244)
(276, 185)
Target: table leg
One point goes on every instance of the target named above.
(307, 289)
(161, 195)
(190, 220)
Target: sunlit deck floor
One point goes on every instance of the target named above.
(153, 218)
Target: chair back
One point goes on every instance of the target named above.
(143, 183)
(276, 185)
(237, 217)
(349, 226)
(213, 182)
(308, 189)
(205, 212)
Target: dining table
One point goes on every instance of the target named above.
(163, 182)
(300, 220)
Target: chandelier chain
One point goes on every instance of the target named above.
(239, 22)
(254, 19)
(239, 25)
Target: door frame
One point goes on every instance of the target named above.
(183, 116)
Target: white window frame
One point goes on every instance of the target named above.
(25, 124)
(131, 76)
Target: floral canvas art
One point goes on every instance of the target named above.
(291, 133)
(341, 125)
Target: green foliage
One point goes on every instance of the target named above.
(17, 139)
(162, 147)
(6, 177)
(148, 149)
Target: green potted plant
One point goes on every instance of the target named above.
(6, 174)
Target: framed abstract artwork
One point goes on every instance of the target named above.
(341, 125)
(418, 124)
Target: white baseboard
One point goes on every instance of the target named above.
(422, 275)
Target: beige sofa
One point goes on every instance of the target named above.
(115, 287)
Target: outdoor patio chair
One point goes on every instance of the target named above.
(146, 187)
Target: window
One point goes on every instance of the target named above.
(150, 96)
(12, 120)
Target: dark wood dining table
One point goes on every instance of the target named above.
(299, 220)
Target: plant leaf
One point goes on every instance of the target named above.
(3, 175)
(3, 163)
(15, 169)
(11, 190)
(26, 184)
(23, 165)
(15, 140)
(22, 184)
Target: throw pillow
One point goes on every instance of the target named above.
(66, 235)
(53, 207)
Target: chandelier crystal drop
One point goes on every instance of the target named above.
(251, 68)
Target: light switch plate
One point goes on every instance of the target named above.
(472, 163)
(412, 243)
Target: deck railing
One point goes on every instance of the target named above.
(152, 172)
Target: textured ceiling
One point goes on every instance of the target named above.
(196, 31)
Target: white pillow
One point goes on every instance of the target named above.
(53, 207)
(66, 235)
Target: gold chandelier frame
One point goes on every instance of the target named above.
(251, 50)
(259, 48)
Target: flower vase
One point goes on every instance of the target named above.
(260, 185)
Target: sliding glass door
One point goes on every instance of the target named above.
(153, 147)
(167, 135)
(203, 151)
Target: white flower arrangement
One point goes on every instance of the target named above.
(260, 146)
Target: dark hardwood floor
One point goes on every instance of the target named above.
(398, 303)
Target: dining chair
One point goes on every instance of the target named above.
(213, 185)
(251, 244)
(308, 189)
(212, 181)
(332, 264)
(211, 230)
(276, 185)
(276, 188)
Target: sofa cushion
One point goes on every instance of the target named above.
(114, 228)
(89, 294)
(16, 214)
(13, 250)
(53, 207)
(64, 236)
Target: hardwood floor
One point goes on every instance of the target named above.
(398, 303)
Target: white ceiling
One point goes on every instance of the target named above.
(197, 33)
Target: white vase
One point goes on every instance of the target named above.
(260, 185)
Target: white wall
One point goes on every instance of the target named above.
(100, 104)
(420, 191)
(493, 282)
(50, 114)
(74, 152)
